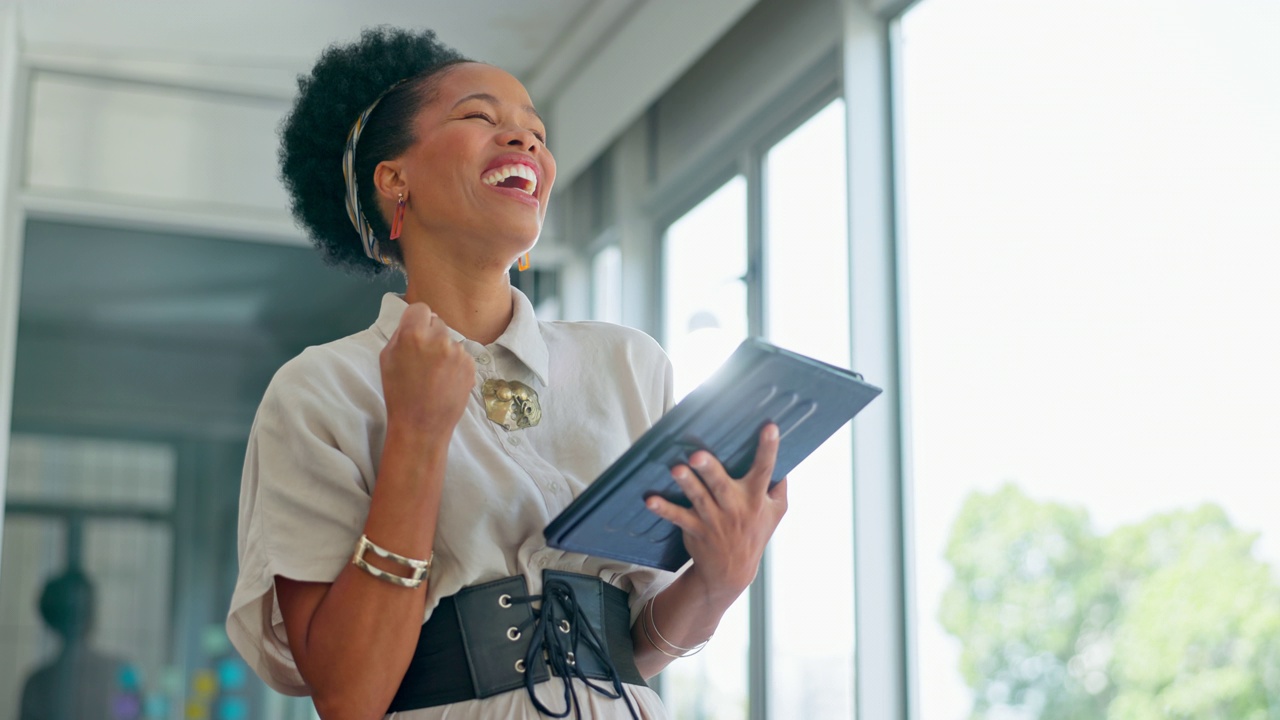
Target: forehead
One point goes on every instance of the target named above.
(469, 79)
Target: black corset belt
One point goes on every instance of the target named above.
(494, 638)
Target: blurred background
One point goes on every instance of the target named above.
(1049, 230)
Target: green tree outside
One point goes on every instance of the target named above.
(1173, 617)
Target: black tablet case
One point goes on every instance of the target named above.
(808, 399)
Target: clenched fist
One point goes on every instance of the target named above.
(426, 376)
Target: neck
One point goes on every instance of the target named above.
(473, 299)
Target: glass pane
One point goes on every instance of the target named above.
(606, 285)
(807, 305)
(31, 547)
(85, 616)
(131, 561)
(1091, 261)
(705, 255)
(86, 470)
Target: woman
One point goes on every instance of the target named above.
(406, 472)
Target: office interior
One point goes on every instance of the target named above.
(1046, 230)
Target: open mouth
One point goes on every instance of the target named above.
(516, 176)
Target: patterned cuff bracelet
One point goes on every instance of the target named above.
(421, 568)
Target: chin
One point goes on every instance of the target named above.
(522, 236)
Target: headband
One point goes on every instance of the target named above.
(368, 241)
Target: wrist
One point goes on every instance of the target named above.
(412, 463)
(715, 596)
(419, 441)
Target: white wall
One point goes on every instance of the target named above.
(10, 220)
(746, 72)
(176, 155)
(630, 70)
(137, 143)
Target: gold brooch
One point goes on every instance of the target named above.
(511, 404)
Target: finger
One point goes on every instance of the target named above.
(416, 310)
(694, 489)
(680, 516)
(766, 456)
(416, 319)
(713, 475)
(778, 493)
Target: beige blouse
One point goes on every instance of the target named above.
(313, 460)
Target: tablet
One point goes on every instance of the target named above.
(760, 383)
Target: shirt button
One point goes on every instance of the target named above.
(540, 562)
(482, 359)
(513, 440)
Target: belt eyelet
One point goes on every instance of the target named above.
(504, 601)
(513, 633)
(569, 656)
(520, 665)
(564, 626)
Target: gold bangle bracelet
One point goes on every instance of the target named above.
(644, 625)
(686, 652)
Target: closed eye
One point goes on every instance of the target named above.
(542, 136)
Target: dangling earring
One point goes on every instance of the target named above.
(397, 222)
(523, 264)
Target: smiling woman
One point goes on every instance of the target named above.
(398, 480)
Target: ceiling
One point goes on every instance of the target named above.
(287, 35)
(272, 41)
(591, 66)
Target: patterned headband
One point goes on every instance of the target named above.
(368, 241)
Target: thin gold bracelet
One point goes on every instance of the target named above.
(686, 652)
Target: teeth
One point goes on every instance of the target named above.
(497, 175)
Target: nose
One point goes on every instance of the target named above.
(521, 138)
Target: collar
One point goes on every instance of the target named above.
(523, 336)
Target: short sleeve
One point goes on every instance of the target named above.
(668, 384)
(303, 502)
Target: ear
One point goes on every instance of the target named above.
(389, 179)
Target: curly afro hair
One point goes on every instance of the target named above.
(345, 80)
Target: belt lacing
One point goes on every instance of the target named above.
(557, 630)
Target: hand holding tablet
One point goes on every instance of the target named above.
(760, 383)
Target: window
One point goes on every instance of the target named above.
(88, 529)
(1090, 263)
(606, 285)
(705, 269)
(705, 263)
(807, 612)
(807, 310)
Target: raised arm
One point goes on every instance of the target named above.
(352, 639)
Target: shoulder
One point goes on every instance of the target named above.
(338, 375)
(331, 367)
(611, 360)
(600, 339)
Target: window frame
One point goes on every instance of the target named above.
(673, 198)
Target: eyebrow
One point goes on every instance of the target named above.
(494, 101)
